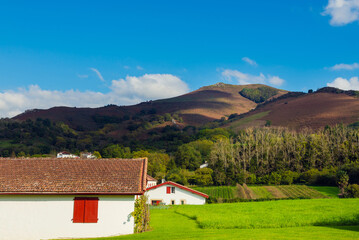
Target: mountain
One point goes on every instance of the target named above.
(326, 106)
(195, 108)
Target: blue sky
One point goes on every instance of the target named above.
(92, 53)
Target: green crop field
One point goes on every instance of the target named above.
(320, 219)
(269, 192)
(225, 192)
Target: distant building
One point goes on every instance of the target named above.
(151, 181)
(204, 165)
(87, 155)
(69, 198)
(66, 155)
(171, 193)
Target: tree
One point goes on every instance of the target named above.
(97, 154)
(343, 180)
(203, 176)
(116, 151)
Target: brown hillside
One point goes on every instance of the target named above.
(314, 111)
(197, 107)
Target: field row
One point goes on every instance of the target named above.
(268, 192)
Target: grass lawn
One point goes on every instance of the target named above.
(328, 191)
(173, 224)
(275, 214)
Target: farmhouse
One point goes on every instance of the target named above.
(68, 198)
(151, 181)
(171, 193)
(66, 155)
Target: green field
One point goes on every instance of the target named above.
(275, 214)
(243, 221)
(269, 192)
(331, 192)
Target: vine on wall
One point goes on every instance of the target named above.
(141, 214)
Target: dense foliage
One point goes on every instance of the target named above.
(253, 156)
(258, 95)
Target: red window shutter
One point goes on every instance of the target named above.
(168, 190)
(91, 210)
(79, 211)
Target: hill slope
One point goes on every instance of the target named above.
(195, 108)
(298, 111)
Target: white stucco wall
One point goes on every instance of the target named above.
(159, 193)
(151, 184)
(44, 217)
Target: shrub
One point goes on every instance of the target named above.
(141, 214)
(310, 177)
(288, 177)
(352, 191)
(275, 178)
(251, 179)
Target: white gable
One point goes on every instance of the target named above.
(177, 196)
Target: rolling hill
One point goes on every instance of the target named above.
(195, 108)
(327, 106)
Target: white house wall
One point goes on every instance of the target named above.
(29, 217)
(159, 193)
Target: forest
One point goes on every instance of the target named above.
(254, 156)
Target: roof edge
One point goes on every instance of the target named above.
(144, 175)
(69, 193)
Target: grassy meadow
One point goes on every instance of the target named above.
(308, 219)
(275, 214)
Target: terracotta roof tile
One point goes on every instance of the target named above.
(66, 176)
(149, 178)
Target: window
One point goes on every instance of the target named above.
(156, 202)
(170, 190)
(173, 202)
(85, 210)
(183, 202)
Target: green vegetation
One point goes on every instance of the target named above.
(275, 214)
(257, 193)
(331, 192)
(225, 192)
(167, 224)
(266, 156)
(258, 95)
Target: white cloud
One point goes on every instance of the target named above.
(130, 90)
(150, 86)
(98, 74)
(343, 66)
(345, 84)
(275, 80)
(249, 61)
(126, 67)
(139, 68)
(245, 78)
(342, 11)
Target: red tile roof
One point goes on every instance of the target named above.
(149, 178)
(73, 176)
(179, 186)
